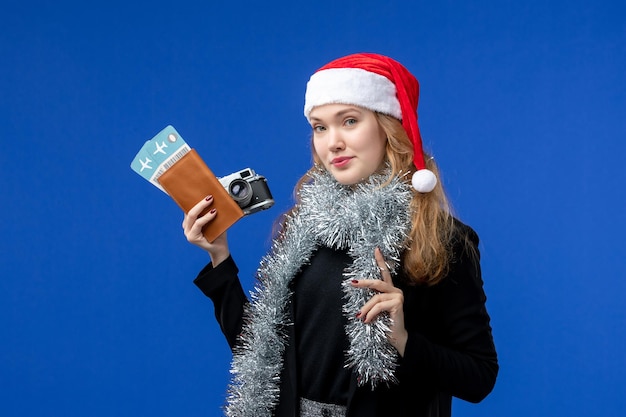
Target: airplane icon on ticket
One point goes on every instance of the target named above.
(159, 148)
(145, 164)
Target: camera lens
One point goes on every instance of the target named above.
(241, 192)
(238, 190)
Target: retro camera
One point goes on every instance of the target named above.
(249, 190)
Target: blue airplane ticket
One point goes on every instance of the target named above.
(158, 154)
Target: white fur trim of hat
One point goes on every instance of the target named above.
(352, 86)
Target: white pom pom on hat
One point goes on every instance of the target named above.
(380, 84)
(424, 180)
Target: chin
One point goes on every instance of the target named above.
(351, 176)
(346, 179)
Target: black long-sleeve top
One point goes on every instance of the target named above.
(449, 351)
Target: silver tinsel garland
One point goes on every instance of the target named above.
(358, 218)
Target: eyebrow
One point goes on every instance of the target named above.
(340, 113)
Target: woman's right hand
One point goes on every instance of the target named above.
(194, 222)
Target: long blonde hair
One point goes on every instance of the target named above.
(427, 253)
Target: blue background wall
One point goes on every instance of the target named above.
(523, 104)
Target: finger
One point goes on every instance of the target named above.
(197, 210)
(195, 230)
(206, 218)
(390, 306)
(394, 300)
(382, 265)
(378, 298)
(376, 285)
(195, 213)
(187, 222)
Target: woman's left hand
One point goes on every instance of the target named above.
(389, 298)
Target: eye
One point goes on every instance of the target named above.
(318, 128)
(350, 121)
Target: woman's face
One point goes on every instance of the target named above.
(348, 140)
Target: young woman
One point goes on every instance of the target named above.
(370, 302)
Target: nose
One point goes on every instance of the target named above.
(335, 140)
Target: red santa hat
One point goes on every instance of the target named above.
(377, 83)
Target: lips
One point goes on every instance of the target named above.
(341, 161)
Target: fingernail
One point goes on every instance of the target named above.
(209, 198)
(358, 314)
(355, 281)
(212, 211)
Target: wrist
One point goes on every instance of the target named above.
(218, 257)
(399, 342)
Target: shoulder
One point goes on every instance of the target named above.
(463, 243)
(463, 233)
(464, 272)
